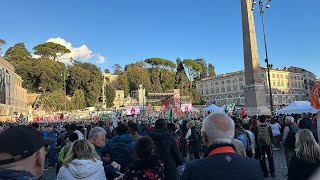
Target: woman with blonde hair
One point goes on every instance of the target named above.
(306, 158)
(82, 162)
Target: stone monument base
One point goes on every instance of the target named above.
(260, 110)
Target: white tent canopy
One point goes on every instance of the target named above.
(213, 107)
(298, 107)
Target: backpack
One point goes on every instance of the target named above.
(291, 138)
(61, 155)
(121, 154)
(263, 136)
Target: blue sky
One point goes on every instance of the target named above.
(124, 31)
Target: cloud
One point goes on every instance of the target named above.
(101, 59)
(81, 53)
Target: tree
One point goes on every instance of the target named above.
(159, 62)
(117, 69)
(18, 52)
(204, 69)
(192, 68)
(51, 50)
(110, 95)
(123, 84)
(85, 76)
(53, 101)
(211, 70)
(106, 71)
(137, 74)
(2, 42)
(155, 80)
(181, 79)
(78, 100)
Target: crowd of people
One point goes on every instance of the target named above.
(217, 146)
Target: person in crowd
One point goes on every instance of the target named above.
(241, 136)
(171, 129)
(252, 148)
(52, 154)
(65, 149)
(120, 147)
(264, 138)
(147, 165)
(183, 148)
(306, 123)
(221, 162)
(82, 162)
(166, 148)
(193, 138)
(69, 130)
(239, 147)
(22, 153)
(275, 127)
(134, 131)
(97, 137)
(288, 139)
(306, 158)
(44, 131)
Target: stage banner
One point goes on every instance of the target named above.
(133, 110)
(186, 107)
(176, 97)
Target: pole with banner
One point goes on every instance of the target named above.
(314, 96)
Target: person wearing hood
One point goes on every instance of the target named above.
(120, 147)
(147, 166)
(167, 149)
(82, 162)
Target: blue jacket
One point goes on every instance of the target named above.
(125, 138)
(16, 175)
(241, 137)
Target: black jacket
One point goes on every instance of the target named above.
(300, 169)
(195, 141)
(169, 154)
(226, 166)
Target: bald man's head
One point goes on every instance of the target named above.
(217, 128)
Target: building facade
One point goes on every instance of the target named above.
(287, 86)
(13, 97)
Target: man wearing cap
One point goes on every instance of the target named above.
(22, 153)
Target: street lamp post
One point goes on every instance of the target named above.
(262, 6)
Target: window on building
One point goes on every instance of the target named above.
(295, 84)
(240, 79)
(207, 92)
(211, 84)
(277, 75)
(241, 87)
(274, 84)
(223, 89)
(234, 80)
(222, 82)
(228, 81)
(281, 76)
(206, 85)
(262, 76)
(291, 77)
(201, 85)
(282, 84)
(288, 84)
(212, 91)
(119, 96)
(275, 99)
(278, 83)
(216, 83)
(218, 97)
(273, 76)
(229, 96)
(217, 90)
(228, 88)
(295, 77)
(235, 88)
(286, 76)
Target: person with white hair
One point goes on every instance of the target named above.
(221, 161)
(288, 139)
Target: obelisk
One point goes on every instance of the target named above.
(255, 96)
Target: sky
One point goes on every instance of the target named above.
(106, 32)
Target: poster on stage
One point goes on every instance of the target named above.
(186, 107)
(133, 110)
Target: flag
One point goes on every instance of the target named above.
(170, 116)
(243, 111)
(315, 96)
